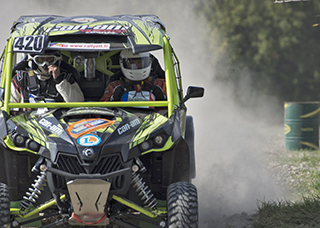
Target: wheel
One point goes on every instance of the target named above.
(4, 206)
(182, 205)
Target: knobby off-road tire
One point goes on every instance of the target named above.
(182, 205)
(4, 206)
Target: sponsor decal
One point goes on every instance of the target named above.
(84, 19)
(79, 46)
(138, 96)
(101, 29)
(51, 127)
(86, 126)
(128, 126)
(89, 140)
(28, 44)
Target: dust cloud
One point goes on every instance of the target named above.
(231, 170)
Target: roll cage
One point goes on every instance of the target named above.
(142, 33)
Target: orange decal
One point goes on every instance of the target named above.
(86, 126)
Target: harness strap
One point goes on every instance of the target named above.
(128, 86)
(33, 83)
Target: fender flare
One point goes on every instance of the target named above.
(189, 138)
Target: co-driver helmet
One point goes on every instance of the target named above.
(135, 67)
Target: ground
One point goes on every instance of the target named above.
(281, 178)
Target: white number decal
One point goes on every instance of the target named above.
(28, 43)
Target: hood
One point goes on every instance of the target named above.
(88, 132)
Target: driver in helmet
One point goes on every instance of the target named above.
(45, 78)
(135, 82)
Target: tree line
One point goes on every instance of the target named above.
(274, 47)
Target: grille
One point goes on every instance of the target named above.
(70, 164)
(106, 165)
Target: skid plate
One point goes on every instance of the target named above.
(89, 197)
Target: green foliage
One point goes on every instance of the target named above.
(285, 214)
(302, 210)
(275, 45)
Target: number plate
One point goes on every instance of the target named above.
(29, 44)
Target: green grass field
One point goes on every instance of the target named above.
(303, 208)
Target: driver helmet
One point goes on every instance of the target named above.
(41, 62)
(135, 67)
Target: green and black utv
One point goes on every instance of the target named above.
(92, 163)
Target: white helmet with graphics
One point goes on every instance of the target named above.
(135, 67)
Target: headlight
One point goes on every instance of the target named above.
(18, 140)
(159, 140)
(22, 141)
(146, 145)
(156, 142)
(32, 145)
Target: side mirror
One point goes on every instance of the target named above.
(193, 92)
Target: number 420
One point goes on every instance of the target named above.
(28, 44)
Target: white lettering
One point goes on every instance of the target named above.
(111, 27)
(83, 27)
(127, 127)
(66, 28)
(57, 28)
(53, 128)
(107, 28)
(45, 123)
(134, 122)
(123, 129)
(77, 27)
(99, 27)
(118, 27)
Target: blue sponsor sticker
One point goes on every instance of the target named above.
(89, 140)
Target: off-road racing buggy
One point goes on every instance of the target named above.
(92, 163)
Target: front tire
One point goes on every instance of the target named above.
(182, 205)
(4, 205)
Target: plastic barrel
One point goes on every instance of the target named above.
(302, 125)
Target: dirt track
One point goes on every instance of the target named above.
(278, 183)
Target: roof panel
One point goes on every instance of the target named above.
(140, 30)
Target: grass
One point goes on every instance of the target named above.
(306, 175)
(304, 179)
(287, 214)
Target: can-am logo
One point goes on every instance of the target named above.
(98, 29)
(89, 140)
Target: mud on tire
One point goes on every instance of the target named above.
(182, 205)
(4, 205)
